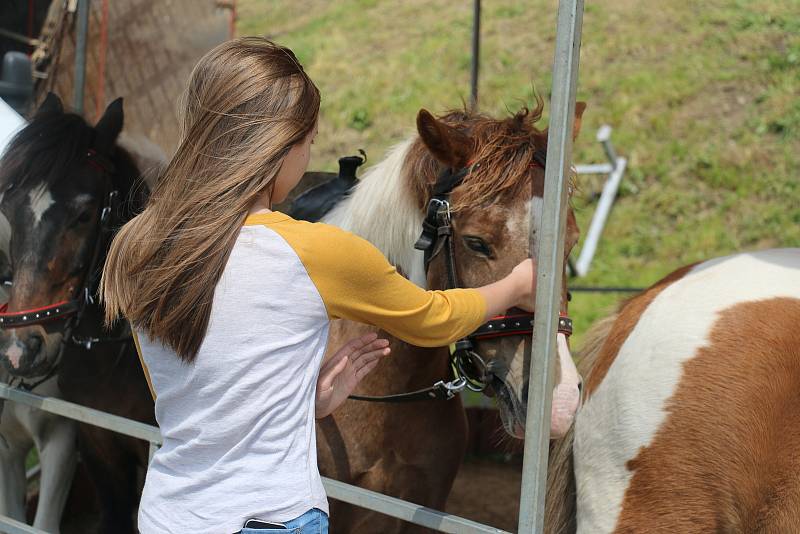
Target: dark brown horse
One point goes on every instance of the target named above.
(66, 187)
(414, 450)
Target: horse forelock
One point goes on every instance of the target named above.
(39, 154)
(502, 158)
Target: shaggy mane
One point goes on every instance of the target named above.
(502, 162)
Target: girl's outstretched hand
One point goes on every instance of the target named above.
(340, 375)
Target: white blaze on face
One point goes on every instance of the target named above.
(629, 406)
(40, 201)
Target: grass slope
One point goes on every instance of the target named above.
(702, 96)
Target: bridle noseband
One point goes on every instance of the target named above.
(72, 310)
(470, 370)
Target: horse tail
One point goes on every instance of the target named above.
(560, 505)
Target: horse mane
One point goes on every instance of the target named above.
(53, 142)
(44, 148)
(502, 156)
(383, 210)
(560, 505)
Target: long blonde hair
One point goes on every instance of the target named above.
(247, 103)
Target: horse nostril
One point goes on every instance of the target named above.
(35, 343)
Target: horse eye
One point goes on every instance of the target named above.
(478, 245)
(85, 217)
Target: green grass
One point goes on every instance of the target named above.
(702, 96)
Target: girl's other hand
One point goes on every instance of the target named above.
(340, 375)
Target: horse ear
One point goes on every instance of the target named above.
(580, 107)
(51, 104)
(109, 126)
(448, 145)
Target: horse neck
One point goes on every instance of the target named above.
(382, 209)
(131, 194)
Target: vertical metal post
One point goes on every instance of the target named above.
(476, 52)
(550, 260)
(82, 34)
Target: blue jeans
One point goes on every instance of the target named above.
(315, 521)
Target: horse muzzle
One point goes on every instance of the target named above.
(26, 353)
(512, 393)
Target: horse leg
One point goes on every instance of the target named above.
(58, 459)
(15, 442)
(419, 467)
(404, 482)
(112, 463)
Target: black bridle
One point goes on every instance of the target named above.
(469, 368)
(71, 311)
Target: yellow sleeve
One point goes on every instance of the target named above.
(141, 361)
(356, 282)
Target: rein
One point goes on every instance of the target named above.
(469, 368)
(72, 310)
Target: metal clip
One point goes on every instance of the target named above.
(453, 387)
(444, 207)
(85, 342)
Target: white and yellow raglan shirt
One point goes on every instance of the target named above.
(238, 422)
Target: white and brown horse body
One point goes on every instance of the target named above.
(691, 421)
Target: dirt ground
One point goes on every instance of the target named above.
(487, 491)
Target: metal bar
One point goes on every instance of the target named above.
(405, 510)
(82, 32)
(550, 260)
(604, 137)
(33, 472)
(599, 218)
(83, 414)
(476, 53)
(12, 526)
(24, 39)
(151, 451)
(391, 506)
(594, 168)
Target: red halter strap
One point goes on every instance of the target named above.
(31, 316)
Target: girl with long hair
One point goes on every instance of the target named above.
(230, 304)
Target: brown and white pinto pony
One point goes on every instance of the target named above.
(691, 419)
(413, 450)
